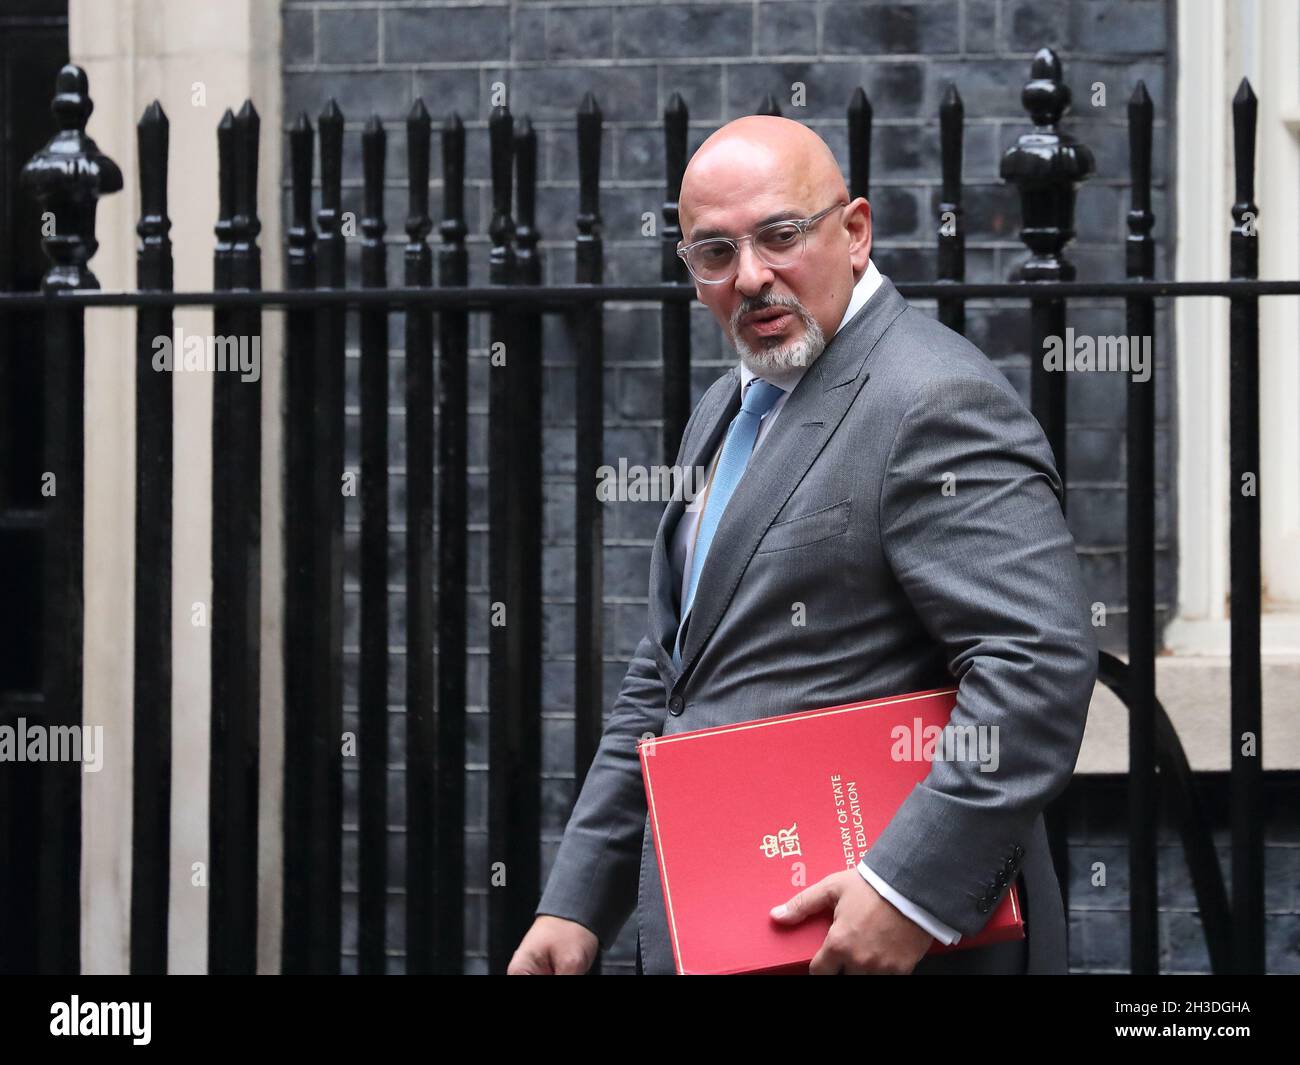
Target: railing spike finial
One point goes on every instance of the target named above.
(246, 223)
(952, 228)
(1045, 95)
(1245, 111)
(329, 216)
(952, 114)
(589, 249)
(224, 227)
(419, 129)
(152, 135)
(301, 236)
(72, 105)
(1046, 166)
(374, 143)
(67, 177)
(1140, 247)
(528, 264)
(676, 127)
(860, 118)
(674, 321)
(501, 148)
(453, 228)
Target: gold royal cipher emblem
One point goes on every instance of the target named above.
(783, 844)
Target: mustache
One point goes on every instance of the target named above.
(788, 303)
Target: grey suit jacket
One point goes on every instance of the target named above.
(909, 500)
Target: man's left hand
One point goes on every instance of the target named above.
(867, 934)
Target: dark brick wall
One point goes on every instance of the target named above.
(723, 58)
(1097, 816)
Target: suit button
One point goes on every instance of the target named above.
(675, 705)
(1019, 851)
(1002, 879)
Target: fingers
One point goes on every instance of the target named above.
(570, 963)
(549, 960)
(836, 959)
(849, 951)
(530, 962)
(824, 963)
(832, 960)
(554, 946)
(819, 896)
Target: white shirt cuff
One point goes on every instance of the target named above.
(909, 909)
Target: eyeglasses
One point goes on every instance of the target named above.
(716, 259)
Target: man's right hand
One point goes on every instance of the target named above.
(554, 946)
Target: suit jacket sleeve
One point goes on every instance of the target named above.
(596, 872)
(972, 527)
(595, 878)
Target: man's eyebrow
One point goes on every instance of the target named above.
(713, 231)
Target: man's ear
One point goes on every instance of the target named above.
(859, 227)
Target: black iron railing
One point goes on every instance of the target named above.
(70, 176)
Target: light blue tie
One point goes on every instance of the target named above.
(760, 397)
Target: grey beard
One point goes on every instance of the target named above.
(798, 353)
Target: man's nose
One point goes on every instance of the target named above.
(752, 274)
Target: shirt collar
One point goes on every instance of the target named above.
(786, 380)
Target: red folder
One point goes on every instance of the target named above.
(734, 808)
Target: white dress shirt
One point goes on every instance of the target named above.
(682, 554)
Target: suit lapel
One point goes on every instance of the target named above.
(811, 414)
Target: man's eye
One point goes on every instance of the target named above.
(714, 252)
(781, 238)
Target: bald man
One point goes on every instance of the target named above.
(874, 468)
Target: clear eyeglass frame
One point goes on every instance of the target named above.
(768, 255)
